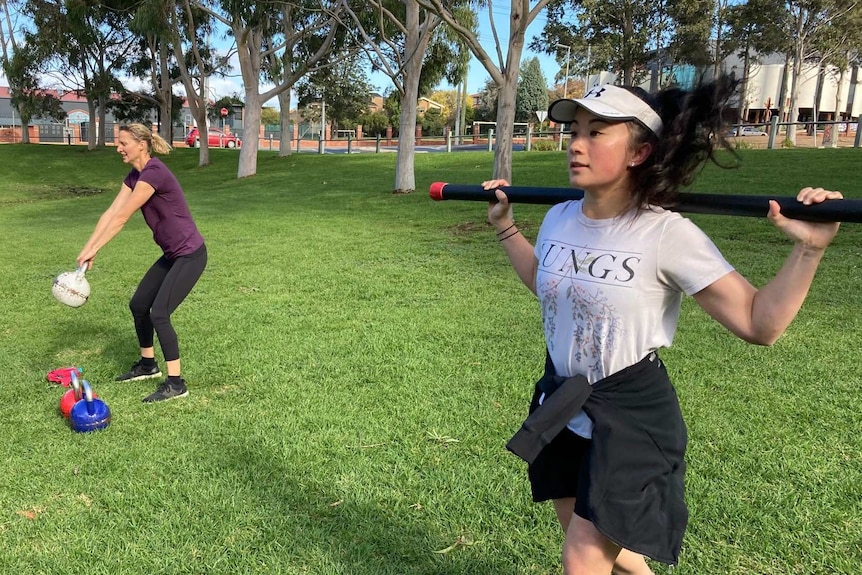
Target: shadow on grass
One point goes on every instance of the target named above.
(87, 343)
(323, 532)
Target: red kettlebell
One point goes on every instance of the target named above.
(71, 397)
(89, 414)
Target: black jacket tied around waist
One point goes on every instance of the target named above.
(637, 452)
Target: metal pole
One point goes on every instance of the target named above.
(568, 57)
(856, 141)
(323, 120)
(773, 132)
(321, 147)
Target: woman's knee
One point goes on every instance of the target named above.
(160, 317)
(139, 308)
(586, 551)
(631, 563)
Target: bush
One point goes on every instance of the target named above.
(374, 124)
(432, 123)
(544, 145)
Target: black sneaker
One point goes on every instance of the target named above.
(138, 371)
(167, 391)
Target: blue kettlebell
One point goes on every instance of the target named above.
(89, 413)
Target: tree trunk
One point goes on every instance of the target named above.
(457, 115)
(25, 126)
(505, 126)
(286, 132)
(781, 103)
(166, 129)
(248, 52)
(414, 50)
(839, 103)
(798, 53)
(103, 117)
(794, 103)
(250, 133)
(405, 177)
(203, 136)
(464, 96)
(91, 133)
(743, 93)
(506, 96)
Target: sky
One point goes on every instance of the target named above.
(476, 77)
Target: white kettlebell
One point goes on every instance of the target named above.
(72, 288)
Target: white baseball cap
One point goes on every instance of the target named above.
(610, 103)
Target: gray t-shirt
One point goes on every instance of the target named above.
(166, 212)
(610, 290)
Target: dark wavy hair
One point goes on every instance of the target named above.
(694, 128)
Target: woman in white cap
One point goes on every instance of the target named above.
(610, 271)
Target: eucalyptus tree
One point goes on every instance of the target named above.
(841, 45)
(808, 19)
(457, 74)
(754, 28)
(312, 38)
(617, 35)
(15, 66)
(136, 106)
(23, 69)
(90, 41)
(405, 42)
(155, 59)
(190, 29)
(505, 71)
(8, 32)
(263, 31)
(685, 39)
(7, 29)
(725, 22)
(343, 87)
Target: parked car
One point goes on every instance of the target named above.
(746, 131)
(217, 139)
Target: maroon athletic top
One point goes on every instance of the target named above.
(167, 212)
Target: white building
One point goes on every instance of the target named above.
(824, 93)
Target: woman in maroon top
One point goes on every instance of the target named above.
(152, 188)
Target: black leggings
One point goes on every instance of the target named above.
(162, 289)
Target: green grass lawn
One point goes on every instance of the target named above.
(356, 362)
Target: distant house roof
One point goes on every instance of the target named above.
(427, 103)
(5, 92)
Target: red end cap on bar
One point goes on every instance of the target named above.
(436, 191)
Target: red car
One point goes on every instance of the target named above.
(217, 139)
